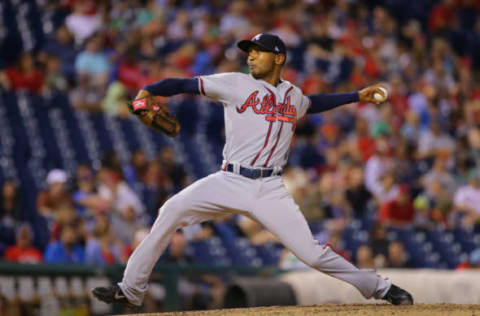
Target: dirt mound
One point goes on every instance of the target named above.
(341, 310)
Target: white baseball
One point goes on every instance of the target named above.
(380, 98)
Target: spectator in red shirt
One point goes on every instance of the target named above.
(22, 251)
(399, 212)
(365, 144)
(442, 15)
(129, 72)
(25, 75)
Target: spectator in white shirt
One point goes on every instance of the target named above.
(376, 169)
(82, 22)
(434, 141)
(467, 200)
(127, 210)
(235, 22)
(438, 182)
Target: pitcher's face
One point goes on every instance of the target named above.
(260, 62)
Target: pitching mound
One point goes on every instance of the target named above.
(342, 310)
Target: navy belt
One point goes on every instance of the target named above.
(254, 173)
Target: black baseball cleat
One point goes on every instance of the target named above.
(112, 294)
(398, 296)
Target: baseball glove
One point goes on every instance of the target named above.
(155, 115)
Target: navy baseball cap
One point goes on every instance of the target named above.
(269, 42)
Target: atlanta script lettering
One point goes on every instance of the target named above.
(285, 112)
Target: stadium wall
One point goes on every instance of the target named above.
(426, 286)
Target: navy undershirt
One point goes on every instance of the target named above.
(325, 102)
(172, 86)
(320, 102)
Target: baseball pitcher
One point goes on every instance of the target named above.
(261, 110)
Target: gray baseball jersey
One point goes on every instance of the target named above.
(259, 123)
(259, 117)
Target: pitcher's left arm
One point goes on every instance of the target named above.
(324, 102)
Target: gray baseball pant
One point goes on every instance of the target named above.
(266, 201)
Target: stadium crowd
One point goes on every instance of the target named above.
(410, 162)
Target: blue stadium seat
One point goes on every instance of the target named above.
(316, 227)
(193, 155)
(209, 252)
(269, 253)
(128, 132)
(417, 246)
(103, 135)
(442, 243)
(77, 138)
(465, 238)
(354, 236)
(239, 249)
